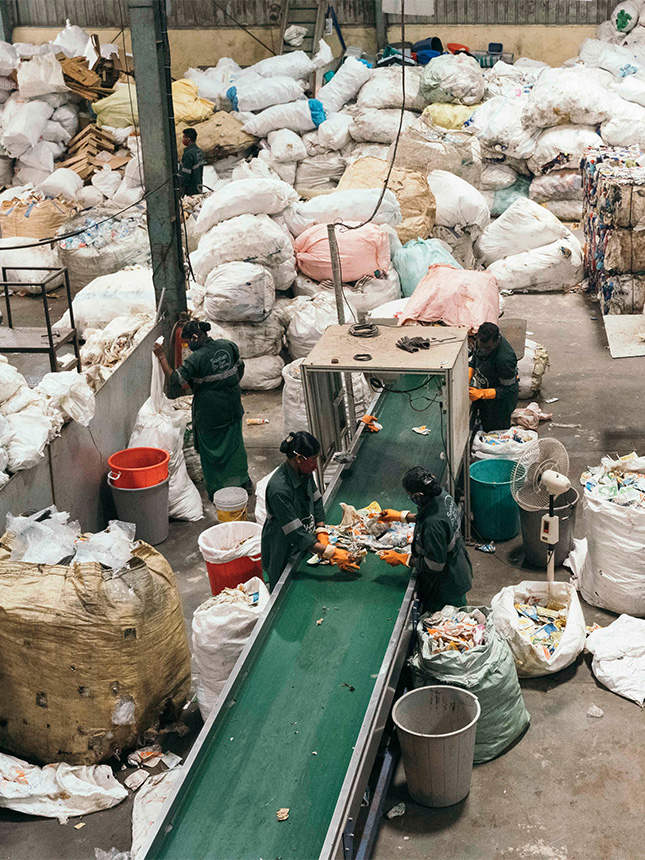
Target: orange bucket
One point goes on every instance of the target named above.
(135, 468)
(232, 573)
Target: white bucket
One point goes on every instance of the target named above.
(436, 728)
(223, 543)
(230, 504)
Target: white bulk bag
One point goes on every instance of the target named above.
(244, 197)
(295, 64)
(22, 399)
(160, 425)
(251, 93)
(385, 89)
(370, 294)
(548, 268)
(380, 126)
(334, 132)
(9, 60)
(495, 177)
(263, 373)
(354, 205)
(56, 132)
(618, 657)
(10, 380)
(303, 115)
(631, 89)
(567, 97)
(565, 210)
(286, 145)
(524, 226)
(106, 180)
(309, 319)
(63, 181)
(558, 185)
(455, 78)
(239, 292)
(562, 146)
(626, 126)
(69, 392)
(459, 204)
(27, 437)
(498, 125)
(220, 632)
(319, 173)
(284, 274)
(23, 125)
(344, 85)
(67, 116)
(253, 339)
(43, 255)
(501, 444)
(40, 76)
(294, 411)
(530, 660)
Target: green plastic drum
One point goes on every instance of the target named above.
(496, 515)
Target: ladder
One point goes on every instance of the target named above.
(304, 13)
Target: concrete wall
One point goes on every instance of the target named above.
(73, 473)
(551, 43)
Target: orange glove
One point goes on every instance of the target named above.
(344, 560)
(471, 373)
(323, 536)
(389, 515)
(371, 423)
(394, 558)
(482, 393)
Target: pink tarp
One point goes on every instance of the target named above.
(362, 252)
(455, 297)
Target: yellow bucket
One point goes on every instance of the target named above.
(230, 504)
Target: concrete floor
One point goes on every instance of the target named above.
(572, 788)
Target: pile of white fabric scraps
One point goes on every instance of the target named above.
(542, 623)
(361, 530)
(619, 481)
(105, 349)
(454, 630)
(232, 596)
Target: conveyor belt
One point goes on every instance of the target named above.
(286, 738)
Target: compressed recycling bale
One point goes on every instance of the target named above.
(621, 294)
(624, 251)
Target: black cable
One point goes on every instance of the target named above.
(243, 27)
(364, 330)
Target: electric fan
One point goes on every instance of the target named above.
(538, 477)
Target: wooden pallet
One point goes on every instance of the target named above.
(81, 79)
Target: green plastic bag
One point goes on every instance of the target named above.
(488, 671)
(506, 196)
(411, 261)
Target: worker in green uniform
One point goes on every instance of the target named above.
(494, 369)
(191, 169)
(439, 557)
(212, 372)
(295, 520)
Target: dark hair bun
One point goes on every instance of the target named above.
(205, 326)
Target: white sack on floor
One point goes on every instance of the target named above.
(355, 205)
(335, 132)
(498, 125)
(364, 297)
(344, 85)
(262, 374)
(159, 425)
(296, 64)
(548, 268)
(294, 411)
(220, 632)
(69, 392)
(524, 226)
(455, 78)
(303, 115)
(619, 657)
(458, 203)
(43, 255)
(244, 197)
(148, 803)
(319, 173)
(62, 181)
(253, 238)
(251, 93)
(41, 76)
(23, 124)
(561, 147)
(495, 177)
(626, 126)
(385, 89)
(57, 790)
(28, 434)
(309, 319)
(253, 339)
(239, 292)
(530, 660)
(567, 97)
(380, 126)
(286, 145)
(558, 185)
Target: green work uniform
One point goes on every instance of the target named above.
(498, 370)
(192, 170)
(294, 507)
(213, 373)
(444, 571)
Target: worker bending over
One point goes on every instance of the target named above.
(212, 372)
(494, 370)
(295, 521)
(444, 571)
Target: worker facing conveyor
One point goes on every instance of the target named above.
(494, 368)
(444, 571)
(213, 373)
(295, 519)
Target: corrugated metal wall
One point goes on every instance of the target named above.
(203, 13)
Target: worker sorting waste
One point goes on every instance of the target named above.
(295, 513)
(439, 557)
(494, 379)
(212, 373)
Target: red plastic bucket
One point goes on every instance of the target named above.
(232, 573)
(135, 468)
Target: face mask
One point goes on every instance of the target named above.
(308, 466)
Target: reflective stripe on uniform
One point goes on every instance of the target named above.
(292, 526)
(217, 377)
(180, 375)
(510, 381)
(317, 495)
(432, 565)
(452, 543)
(186, 169)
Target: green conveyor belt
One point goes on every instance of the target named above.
(287, 738)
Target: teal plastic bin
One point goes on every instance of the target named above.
(496, 515)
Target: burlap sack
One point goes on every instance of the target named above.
(217, 137)
(34, 219)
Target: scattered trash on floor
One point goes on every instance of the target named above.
(396, 811)
(135, 780)
(282, 814)
(486, 547)
(595, 711)
(252, 421)
(422, 430)
(149, 756)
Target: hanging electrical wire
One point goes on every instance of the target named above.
(243, 27)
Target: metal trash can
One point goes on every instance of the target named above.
(535, 550)
(436, 728)
(146, 507)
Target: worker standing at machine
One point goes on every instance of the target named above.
(295, 520)
(444, 571)
(191, 169)
(494, 369)
(213, 373)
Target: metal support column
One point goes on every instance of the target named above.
(159, 145)
(380, 24)
(6, 22)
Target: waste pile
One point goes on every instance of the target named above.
(360, 531)
(96, 606)
(505, 444)
(542, 622)
(460, 632)
(621, 482)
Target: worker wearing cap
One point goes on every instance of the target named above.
(191, 169)
(295, 520)
(494, 369)
(439, 557)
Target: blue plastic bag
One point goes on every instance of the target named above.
(412, 260)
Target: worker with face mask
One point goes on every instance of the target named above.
(439, 557)
(494, 378)
(295, 520)
(212, 372)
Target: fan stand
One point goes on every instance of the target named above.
(550, 534)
